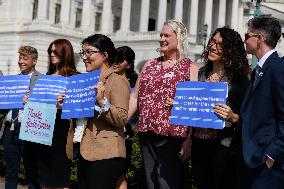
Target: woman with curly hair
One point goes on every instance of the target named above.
(225, 61)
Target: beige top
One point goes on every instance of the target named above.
(104, 135)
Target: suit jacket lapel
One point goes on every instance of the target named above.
(248, 93)
(260, 76)
(263, 70)
(252, 87)
(34, 77)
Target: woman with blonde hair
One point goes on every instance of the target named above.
(163, 146)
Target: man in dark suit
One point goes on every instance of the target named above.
(13, 146)
(262, 112)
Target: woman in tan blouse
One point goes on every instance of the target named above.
(102, 148)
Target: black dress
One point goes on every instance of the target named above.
(212, 163)
(53, 164)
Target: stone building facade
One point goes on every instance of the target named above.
(135, 23)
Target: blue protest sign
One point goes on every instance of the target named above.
(80, 97)
(38, 123)
(47, 89)
(12, 90)
(194, 103)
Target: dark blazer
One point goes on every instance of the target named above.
(35, 76)
(262, 114)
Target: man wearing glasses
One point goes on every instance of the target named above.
(262, 112)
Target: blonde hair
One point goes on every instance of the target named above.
(28, 50)
(181, 32)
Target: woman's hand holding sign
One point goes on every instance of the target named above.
(100, 90)
(60, 99)
(225, 112)
(169, 103)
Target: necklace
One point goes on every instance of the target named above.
(169, 63)
(215, 77)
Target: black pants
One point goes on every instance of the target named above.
(31, 165)
(260, 177)
(211, 167)
(13, 149)
(101, 174)
(162, 165)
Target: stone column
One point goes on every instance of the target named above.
(72, 14)
(107, 19)
(178, 10)
(26, 10)
(235, 13)
(222, 13)
(241, 21)
(42, 10)
(144, 15)
(87, 15)
(193, 19)
(162, 14)
(125, 16)
(208, 15)
(65, 12)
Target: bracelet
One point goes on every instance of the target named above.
(105, 108)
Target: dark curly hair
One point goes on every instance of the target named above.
(234, 54)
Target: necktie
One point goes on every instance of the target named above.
(257, 74)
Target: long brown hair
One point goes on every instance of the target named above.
(64, 49)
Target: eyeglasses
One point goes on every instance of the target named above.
(249, 35)
(54, 52)
(218, 45)
(87, 53)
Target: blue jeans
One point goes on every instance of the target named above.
(13, 148)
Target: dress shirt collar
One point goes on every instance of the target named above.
(264, 57)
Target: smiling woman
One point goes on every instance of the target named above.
(225, 61)
(102, 148)
(163, 146)
(53, 164)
